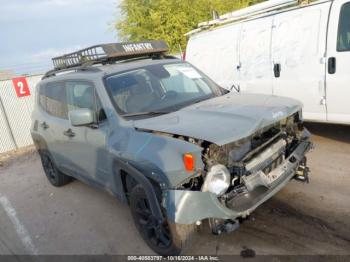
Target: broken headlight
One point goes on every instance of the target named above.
(217, 180)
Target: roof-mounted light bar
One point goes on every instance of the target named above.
(106, 53)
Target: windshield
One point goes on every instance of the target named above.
(159, 88)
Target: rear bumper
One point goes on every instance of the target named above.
(187, 207)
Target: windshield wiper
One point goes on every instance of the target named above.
(197, 101)
(151, 113)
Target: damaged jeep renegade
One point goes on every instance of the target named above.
(158, 134)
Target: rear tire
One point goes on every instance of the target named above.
(55, 177)
(165, 239)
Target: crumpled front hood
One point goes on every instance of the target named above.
(224, 119)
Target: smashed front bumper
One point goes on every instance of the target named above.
(187, 207)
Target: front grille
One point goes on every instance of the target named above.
(268, 158)
(275, 163)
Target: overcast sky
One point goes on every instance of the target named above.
(34, 31)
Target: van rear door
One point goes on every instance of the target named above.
(298, 48)
(338, 63)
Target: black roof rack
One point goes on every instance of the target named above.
(108, 53)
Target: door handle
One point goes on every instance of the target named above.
(323, 101)
(277, 70)
(69, 133)
(332, 65)
(44, 125)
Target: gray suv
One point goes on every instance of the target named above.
(158, 134)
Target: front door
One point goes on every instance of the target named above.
(338, 63)
(86, 149)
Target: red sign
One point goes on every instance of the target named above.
(21, 86)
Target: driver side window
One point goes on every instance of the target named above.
(81, 94)
(343, 43)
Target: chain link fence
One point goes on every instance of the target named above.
(15, 114)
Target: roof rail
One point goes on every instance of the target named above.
(109, 53)
(85, 67)
(257, 9)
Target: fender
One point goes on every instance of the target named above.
(39, 142)
(144, 181)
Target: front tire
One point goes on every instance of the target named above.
(56, 177)
(165, 239)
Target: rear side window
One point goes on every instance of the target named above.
(52, 98)
(343, 43)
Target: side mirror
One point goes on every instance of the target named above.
(81, 117)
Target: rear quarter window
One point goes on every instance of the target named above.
(42, 97)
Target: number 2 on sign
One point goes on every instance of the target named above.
(21, 86)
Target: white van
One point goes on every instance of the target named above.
(301, 52)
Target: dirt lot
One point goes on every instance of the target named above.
(77, 219)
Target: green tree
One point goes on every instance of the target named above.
(169, 19)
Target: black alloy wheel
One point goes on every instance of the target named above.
(156, 234)
(55, 177)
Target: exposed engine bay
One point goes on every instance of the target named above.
(245, 172)
(243, 166)
(238, 173)
(241, 172)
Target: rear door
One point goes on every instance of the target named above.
(255, 67)
(298, 47)
(338, 63)
(53, 119)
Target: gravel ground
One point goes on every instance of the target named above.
(302, 219)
